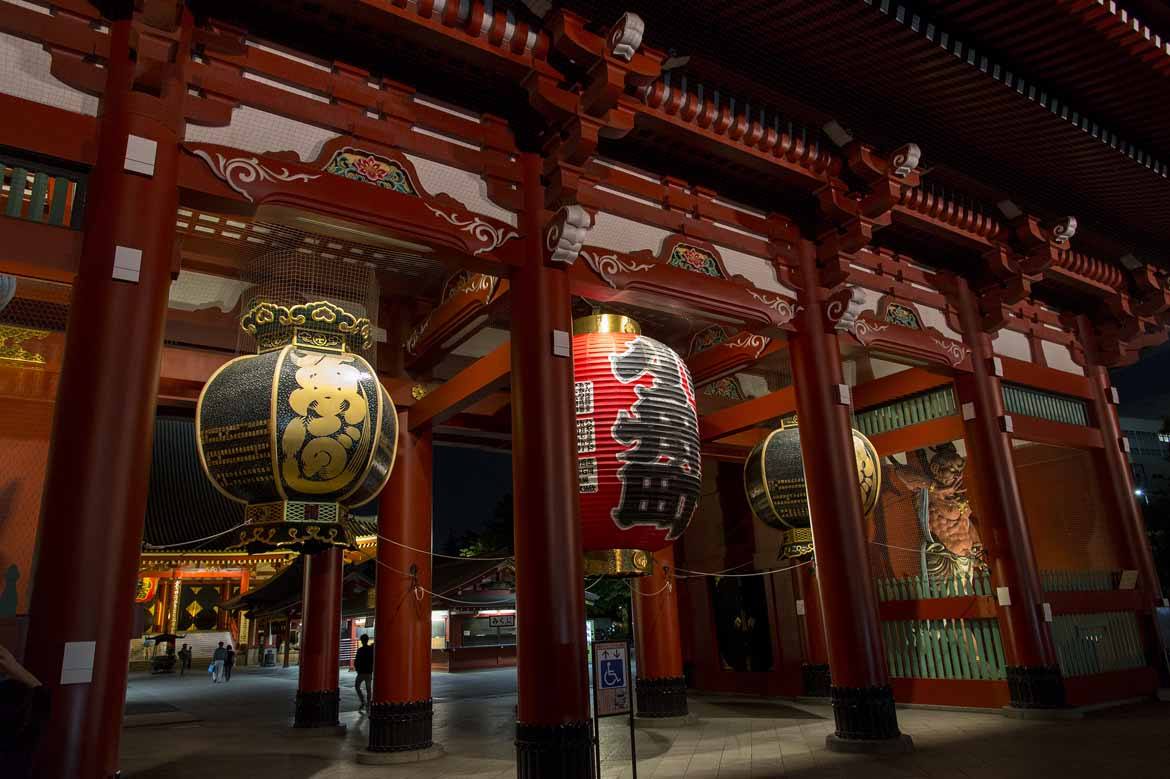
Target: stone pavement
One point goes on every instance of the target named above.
(242, 731)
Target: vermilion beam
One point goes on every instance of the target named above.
(746, 415)
(482, 378)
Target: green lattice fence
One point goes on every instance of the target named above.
(965, 649)
(1097, 643)
(935, 404)
(40, 192)
(1030, 402)
(1080, 581)
(920, 587)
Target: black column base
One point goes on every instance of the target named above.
(818, 682)
(555, 751)
(317, 709)
(665, 697)
(1036, 687)
(399, 727)
(865, 713)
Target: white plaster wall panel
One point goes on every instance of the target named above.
(884, 368)
(463, 185)
(871, 297)
(259, 131)
(194, 291)
(1009, 343)
(1059, 356)
(933, 317)
(624, 235)
(24, 73)
(484, 342)
(757, 270)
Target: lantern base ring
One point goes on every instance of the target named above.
(618, 562)
(293, 525)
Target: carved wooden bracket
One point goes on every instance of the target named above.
(923, 343)
(582, 115)
(468, 303)
(565, 235)
(348, 185)
(685, 275)
(717, 352)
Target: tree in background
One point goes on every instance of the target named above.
(495, 537)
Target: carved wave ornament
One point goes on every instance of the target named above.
(238, 171)
(490, 236)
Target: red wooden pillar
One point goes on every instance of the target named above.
(553, 733)
(816, 678)
(1033, 675)
(401, 713)
(661, 688)
(94, 505)
(318, 694)
(863, 702)
(1119, 477)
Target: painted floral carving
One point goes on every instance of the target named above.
(694, 259)
(728, 387)
(899, 314)
(708, 337)
(369, 168)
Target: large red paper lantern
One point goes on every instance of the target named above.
(638, 462)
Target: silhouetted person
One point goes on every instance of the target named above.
(24, 708)
(184, 659)
(217, 661)
(363, 664)
(229, 662)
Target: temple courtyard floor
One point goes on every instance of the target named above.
(179, 727)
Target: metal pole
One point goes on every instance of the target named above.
(630, 681)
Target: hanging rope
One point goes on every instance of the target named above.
(717, 573)
(695, 574)
(444, 556)
(669, 585)
(906, 548)
(195, 541)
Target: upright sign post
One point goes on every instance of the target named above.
(612, 691)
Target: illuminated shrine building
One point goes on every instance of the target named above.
(258, 259)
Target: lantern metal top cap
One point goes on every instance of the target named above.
(605, 323)
(319, 325)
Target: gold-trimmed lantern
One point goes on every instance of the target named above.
(638, 463)
(773, 478)
(301, 431)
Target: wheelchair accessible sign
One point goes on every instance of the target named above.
(611, 677)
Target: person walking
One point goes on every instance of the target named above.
(217, 661)
(363, 664)
(229, 662)
(184, 659)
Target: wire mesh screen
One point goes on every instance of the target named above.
(291, 276)
(1061, 490)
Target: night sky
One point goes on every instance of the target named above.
(1144, 388)
(467, 485)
